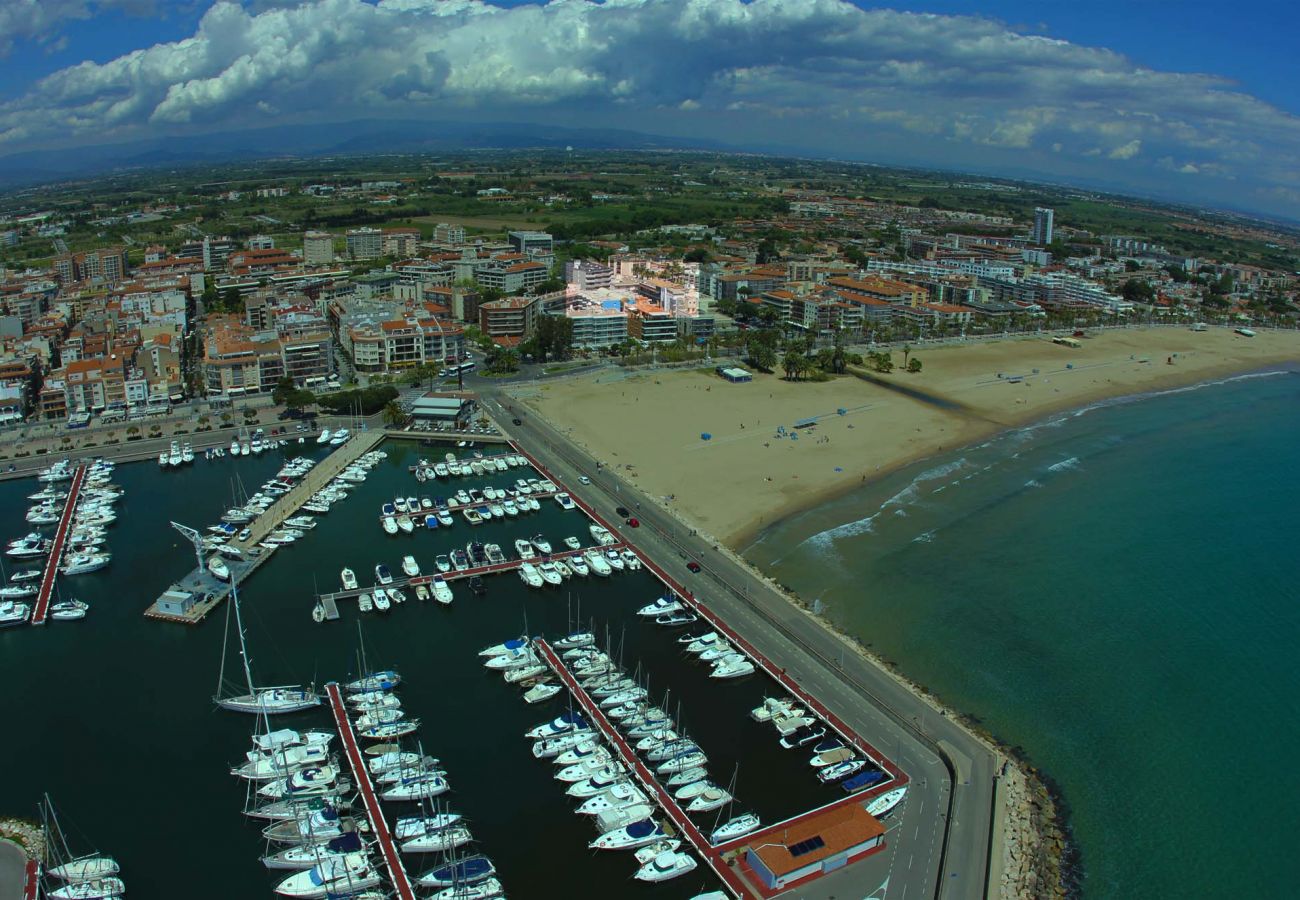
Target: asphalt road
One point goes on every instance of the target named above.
(938, 843)
(13, 871)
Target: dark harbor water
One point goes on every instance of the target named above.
(1115, 591)
(113, 715)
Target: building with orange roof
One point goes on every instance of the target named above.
(814, 845)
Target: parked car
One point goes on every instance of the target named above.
(623, 512)
(583, 479)
(693, 566)
(633, 523)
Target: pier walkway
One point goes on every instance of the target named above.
(330, 600)
(208, 588)
(56, 551)
(735, 885)
(361, 777)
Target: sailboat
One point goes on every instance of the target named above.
(268, 700)
(91, 876)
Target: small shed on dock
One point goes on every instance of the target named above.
(176, 601)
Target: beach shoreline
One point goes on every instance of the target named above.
(729, 462)
(1033, 854)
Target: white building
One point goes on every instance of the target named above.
(1042, 233)
(318, 248)
(365, 243)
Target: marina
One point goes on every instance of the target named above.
(361, 777)
(56, 551)
(434, 641)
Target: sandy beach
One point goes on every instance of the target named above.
(752, 471)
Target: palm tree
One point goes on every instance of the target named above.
(393, 415)
(794, 364)
(907, 352)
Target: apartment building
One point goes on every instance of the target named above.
(449, 235)
(512, 278)
(385, 345)
(365, 243)
(107, 263)
(587, 275)
(511, 317)
(318, 248)
(527, 242)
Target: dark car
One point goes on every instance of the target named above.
(517, 421)
(693, 566)
(633, 523)
(623, 512)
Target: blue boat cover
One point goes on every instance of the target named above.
(346, 843)
(641, 829)
(865, 779)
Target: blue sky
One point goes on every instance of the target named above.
(1184, 100)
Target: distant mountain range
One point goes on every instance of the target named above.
(343, 139)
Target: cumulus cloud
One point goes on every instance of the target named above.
(855, 81)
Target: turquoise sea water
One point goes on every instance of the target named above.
(1116, 592)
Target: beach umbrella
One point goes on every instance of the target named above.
(705, 436)
(841, 411)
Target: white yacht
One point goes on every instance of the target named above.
(596, 560)
(82, 563)
(572, 543)
(633, 835)
(601, 535)
(550, 573)
(340, 876)
(665, 866)
(885, 803)
(12, 613)
(324, 437)
(542, 544)
(530, 576)
(732, 667)
(441, 590)
(564, 500)
(410, 566)
(217, 566)
(349, 579)
(525, 549)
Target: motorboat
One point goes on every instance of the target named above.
(84, 563)
(267, 767)
(665, 604)
(405, 524)
(13, 613)
(441, 590)
(551, 747)
(409, 827)
(390, 525)
(217, 566)
(842, 769)
(690, 760)
(706, 642)
(511, 646)
(17, 591)
(693, 790)
(596, 767)
(732, 667)
(525, 673)
(542, 544)
(459, 560)
(349, 579)
(667, 865)
(596, 560)
(575, 640)
(530, 575)
(513, 660)
(615, 560)
(618, 796)
(443, 563)
(597, 783)
(388, 731)
(308, 782)
(550, 573)
(708, 800)
(601, 535)
(524, 548)
(636, 834)
(564, 500)
(677, 619)
(772, 706)
(734, 828)
(383, 575)
(410, 567)
(365, 603)
(381, 600)
(801, 737)
(541, 692)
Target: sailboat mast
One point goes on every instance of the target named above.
(239, 626)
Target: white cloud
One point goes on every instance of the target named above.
(1126, 151)
(855, 80)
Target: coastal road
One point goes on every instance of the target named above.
(938, 844)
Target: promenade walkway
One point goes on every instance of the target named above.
(56, 551)
(361, 777)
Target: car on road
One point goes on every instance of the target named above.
(693, 566)
(583, 479)
(623, 512)
(633, 523)
(517, 421)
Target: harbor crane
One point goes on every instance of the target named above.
(194, 538)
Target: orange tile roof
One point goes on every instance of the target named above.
(839, 828)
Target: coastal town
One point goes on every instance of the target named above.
(156, 306)
(670, 390)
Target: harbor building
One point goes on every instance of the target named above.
(819, 844)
